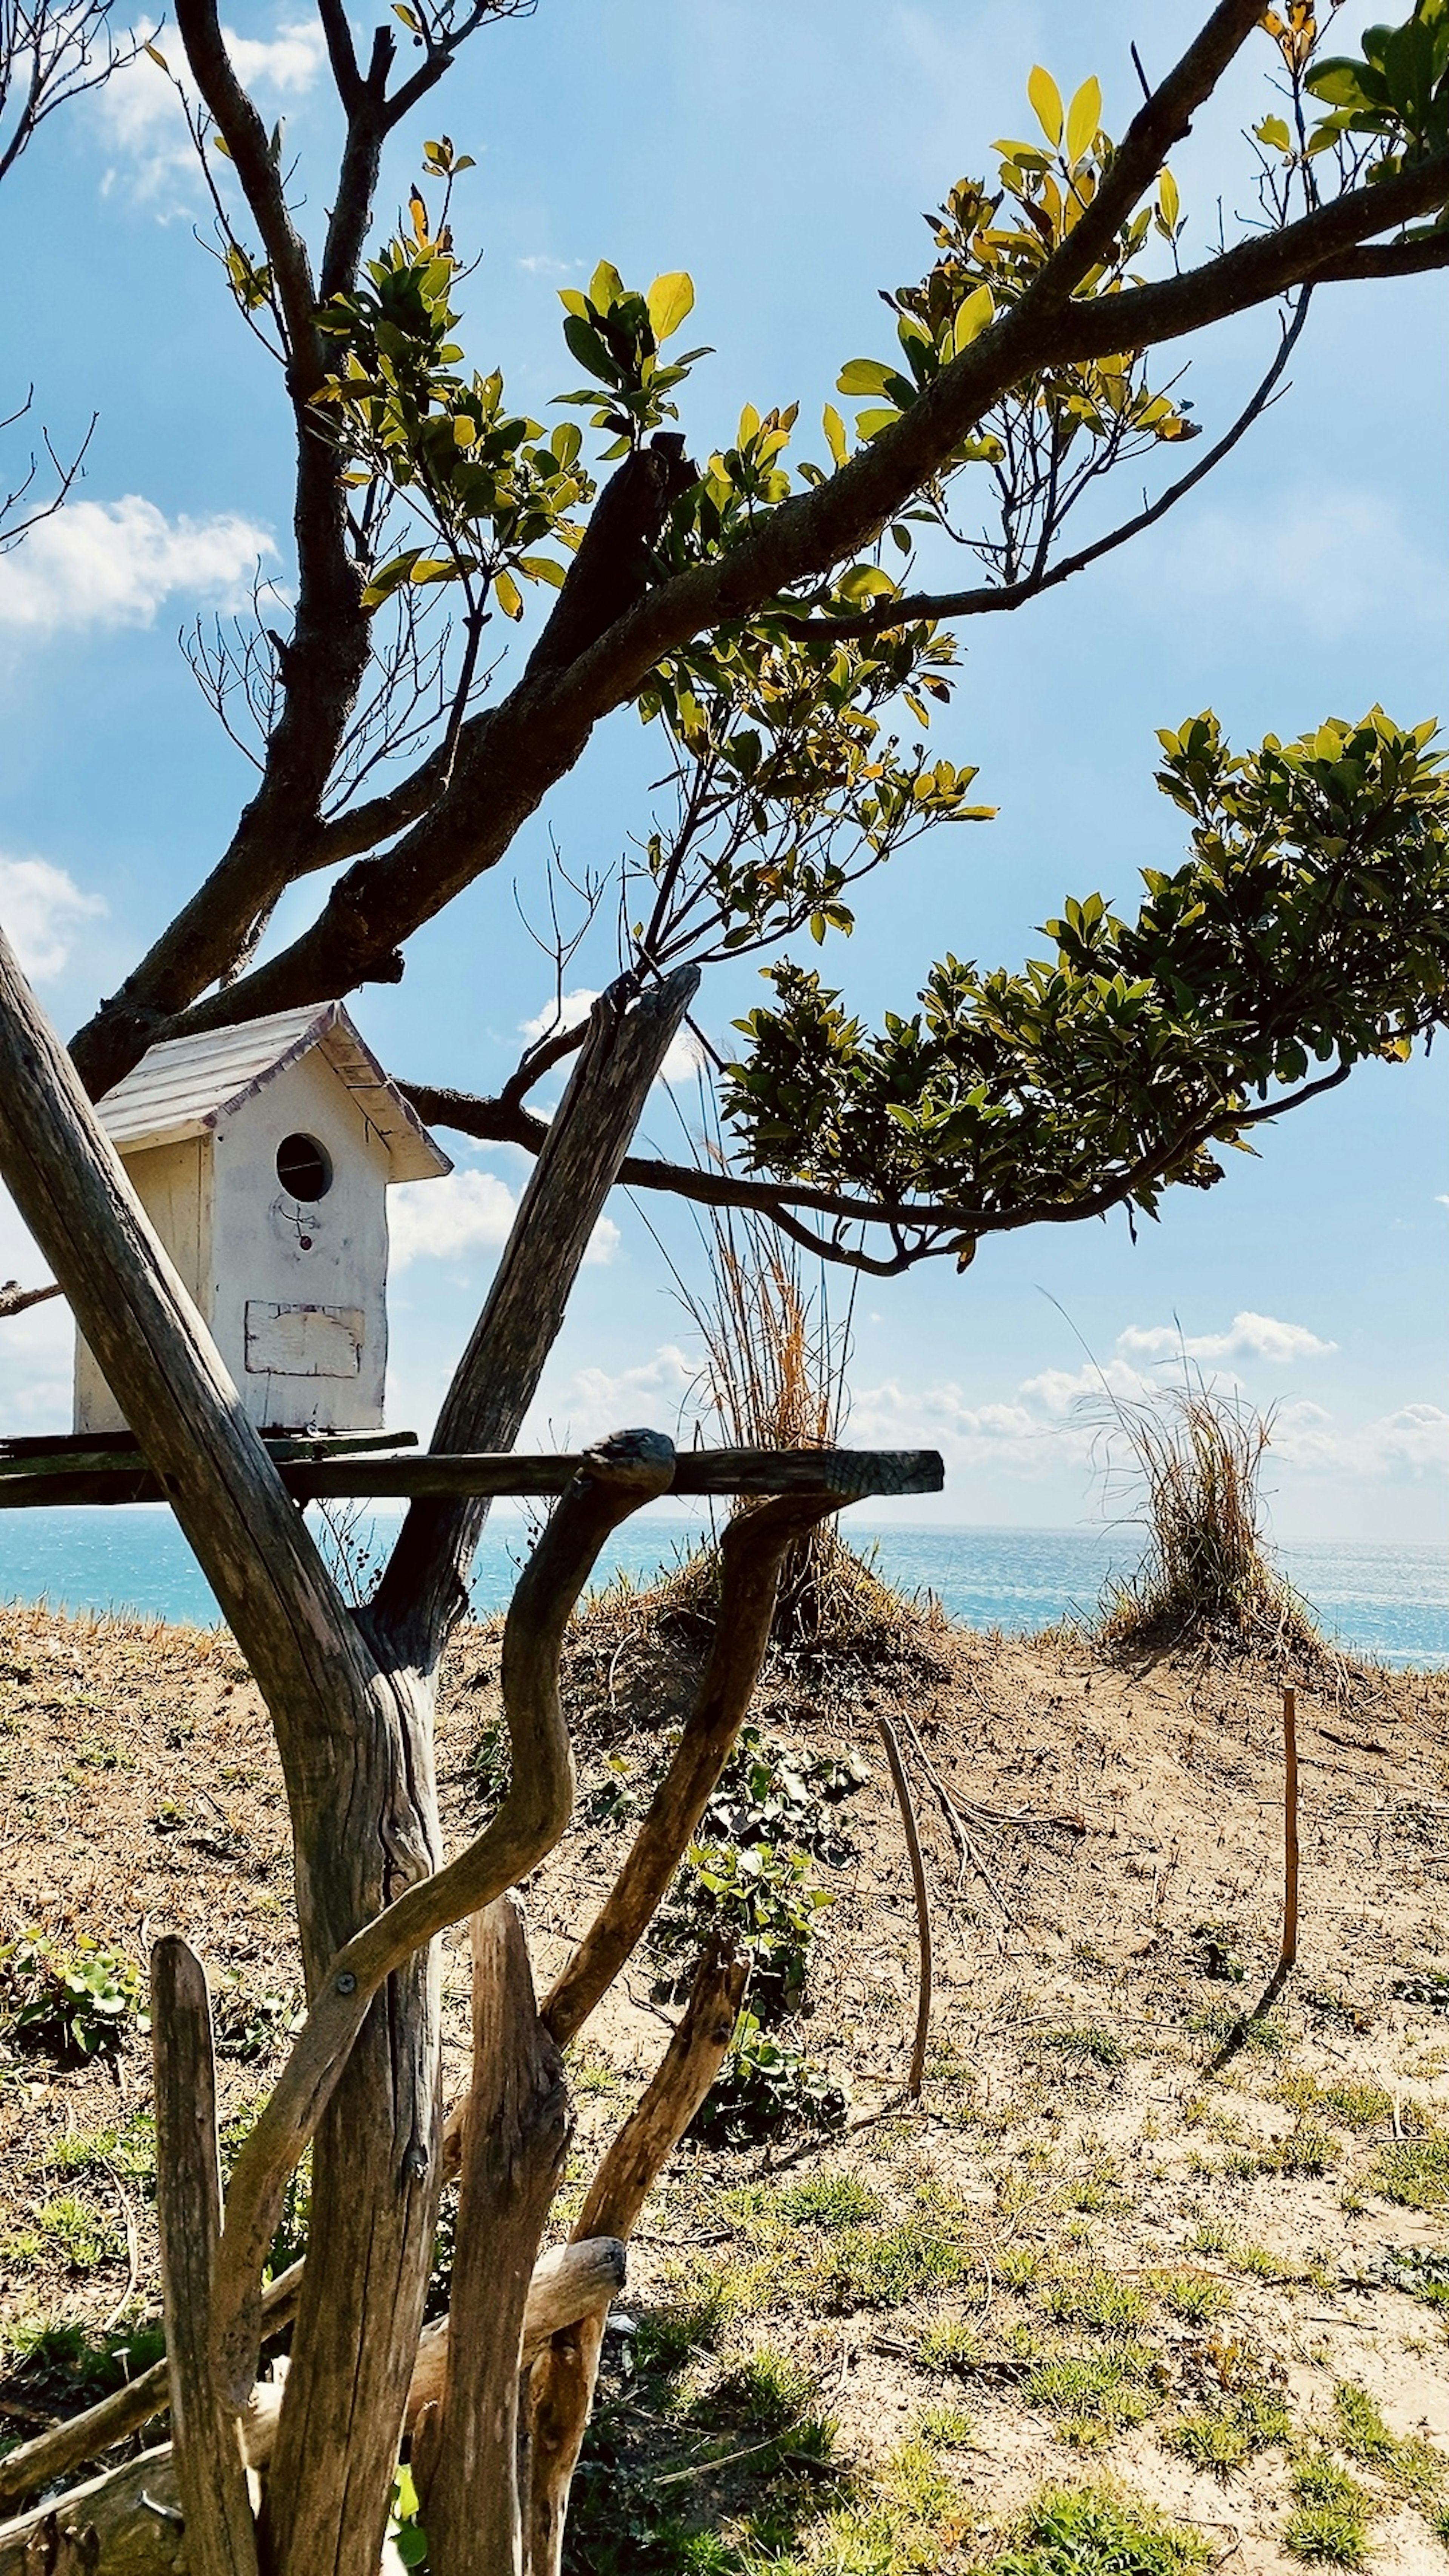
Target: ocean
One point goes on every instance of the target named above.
(1390, 1603)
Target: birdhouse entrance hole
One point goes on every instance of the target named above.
(304, 1168)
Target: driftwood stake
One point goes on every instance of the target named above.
(1289, 1951)
(210, 2467)
(906, 1803)
(561, 2389)
(514, 2141)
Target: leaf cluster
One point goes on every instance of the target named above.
(617, 335)
(1397, 90)
(1307, 929)
(488, 483)
(73, 2005)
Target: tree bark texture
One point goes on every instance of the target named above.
(206, 2437)
(561, 2385)
(355, 1736)
(515, 2136)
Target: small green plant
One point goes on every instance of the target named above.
(408, 2539)
(69, 2225)
(1353, 2106)
(952, 2346)
(1094, 2395)
(71, 2005)
(65, 2368)
(1084, 2294)
(248, 2025)
(1332, 2517)
(1100, 2530)
(946, 2428)
(1087, 2046)
(1414, 2172)
(830, 2201)
(1420, 2271)
(768, 2086)
(1224, 2438)
(1196, 2297)
(1408, 2464)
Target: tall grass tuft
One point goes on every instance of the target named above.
(1206, 1578)
(773, 1376)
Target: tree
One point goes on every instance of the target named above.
(745, 608)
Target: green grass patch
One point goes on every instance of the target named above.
(1086, 2294)
(1196, 2297)
(1225, 2438)
(1352, 2106)
(1409, 2466)
(1087, 2045)
(1094, 2395)
(1100, 2530)
(1414, 2172)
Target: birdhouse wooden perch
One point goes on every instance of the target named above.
(262, 1155)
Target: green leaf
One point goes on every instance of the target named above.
(869, 424)
(671, 301)
(1083, 118)
(543, 568)
(1046, 98)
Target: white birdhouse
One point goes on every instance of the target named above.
(262, 1155)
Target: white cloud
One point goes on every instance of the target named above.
(681, 1064)
(659, 1393)
(39, 908)
(469, 1212)
(1249, 1336)
(141, 118)
(114, 563)
(1328, 558)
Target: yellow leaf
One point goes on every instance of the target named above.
(1083, 118)
(671, 301)
(507, 594)
(1167, 199)
(464, 430)
(1046, 98)
(160, 59)
(975, 316)
(834, 428)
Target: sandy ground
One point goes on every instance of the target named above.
(1116, 1837)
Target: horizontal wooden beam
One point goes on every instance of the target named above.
(851, 1474)
(72, 1453)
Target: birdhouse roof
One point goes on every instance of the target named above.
(186, 1086)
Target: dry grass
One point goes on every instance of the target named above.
(773, 1375)
(1206, 1578)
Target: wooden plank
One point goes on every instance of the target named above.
(111, 1452)
(210, 2461)
(850, 1474)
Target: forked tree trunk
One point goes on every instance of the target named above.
(352, 1711)
(352, 1703)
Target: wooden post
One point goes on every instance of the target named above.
(561, 2389)
(210, 2466)
(514, 2140)
(906, 1803)
(1289, 1951)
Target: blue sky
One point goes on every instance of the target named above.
(783, 154)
